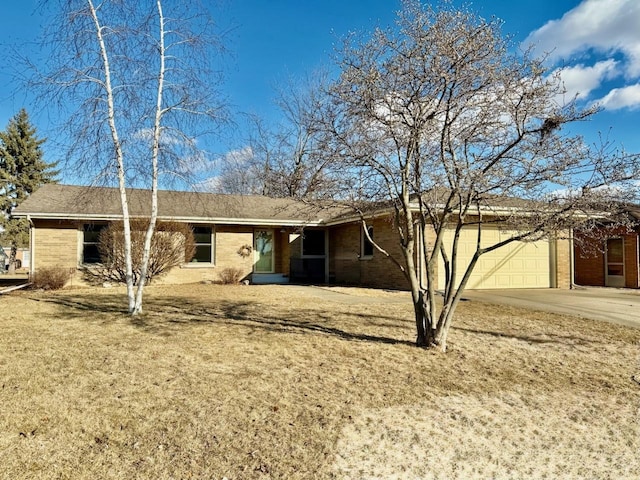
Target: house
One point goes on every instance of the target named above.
(22, 257)
(271, 240)
(609, 258)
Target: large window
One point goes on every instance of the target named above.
(91, 234)
(367, 246)
(203, 237)
(313, 243)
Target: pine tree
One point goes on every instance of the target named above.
(22, 171)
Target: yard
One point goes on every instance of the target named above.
(267, 382)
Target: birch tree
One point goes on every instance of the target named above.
(447, 123)
(136, 82)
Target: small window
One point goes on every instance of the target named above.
(91, 235)
(204, 245)
(313, 243)
(367, 246)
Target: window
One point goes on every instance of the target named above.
(367, 246)
(91, 235)
(313, 243)
(204, 245)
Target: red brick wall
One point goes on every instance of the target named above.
(590, 261)
(631, 261)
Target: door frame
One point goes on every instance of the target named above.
(271, 231)
(617, 281)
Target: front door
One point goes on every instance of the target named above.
(263, 248)
(614, 263)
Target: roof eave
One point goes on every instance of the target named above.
(209, 220)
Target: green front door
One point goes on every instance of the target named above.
(263, 248)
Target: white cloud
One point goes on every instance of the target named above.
(625, 97)
(580, 80)
(607, 26)
(240, 156)
(209, 185)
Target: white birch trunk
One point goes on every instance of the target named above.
(119, 156)
(157, 131)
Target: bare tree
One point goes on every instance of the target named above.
(440, 120)
(136, 78)
(286, 159)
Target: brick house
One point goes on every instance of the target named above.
(610, 259)
(269, 240)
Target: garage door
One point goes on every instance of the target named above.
(516, 265)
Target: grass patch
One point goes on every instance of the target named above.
(274, 382)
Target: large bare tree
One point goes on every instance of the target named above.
(444, 120)
(136, 81)
(286, 158)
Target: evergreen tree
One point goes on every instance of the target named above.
(22, 171)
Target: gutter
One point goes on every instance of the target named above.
(202, 220)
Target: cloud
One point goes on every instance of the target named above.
(625, 97)
(240, 156)
(606, 26)
(209, 185)
(580, 80)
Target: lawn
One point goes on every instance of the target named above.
(273, 382)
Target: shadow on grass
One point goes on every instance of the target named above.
(164, 315)
(555, 339)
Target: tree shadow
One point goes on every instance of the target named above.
(548, 339)
(164, 315)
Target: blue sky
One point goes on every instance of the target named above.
(596, 41)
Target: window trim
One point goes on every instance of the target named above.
(212, 242)
(84, 243)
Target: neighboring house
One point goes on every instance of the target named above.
(288, 240)
(22, 258)
(613, 260)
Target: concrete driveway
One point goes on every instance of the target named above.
(608, 304)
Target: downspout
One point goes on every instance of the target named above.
(32, 263)
(638, 260)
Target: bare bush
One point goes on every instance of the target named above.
(172, 245)
(51, 278)
(230, 276)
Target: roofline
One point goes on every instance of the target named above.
(212, 220)
(414, 207)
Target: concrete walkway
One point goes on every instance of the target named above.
(614, 305)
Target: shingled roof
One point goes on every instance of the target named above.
(103, 203)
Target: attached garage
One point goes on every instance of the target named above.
(516, 265)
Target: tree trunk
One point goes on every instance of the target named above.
(12, 258)
(421, 321)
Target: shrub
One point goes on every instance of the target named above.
(172, 245)
(230, 276)
(51, 278)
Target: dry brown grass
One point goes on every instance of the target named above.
(275, 382)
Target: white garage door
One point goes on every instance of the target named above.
(515, 265)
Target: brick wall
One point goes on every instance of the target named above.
(590, 261)
(56, 243)
(347, 267)
(563, 263)
(631, 261)
(227, 242)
